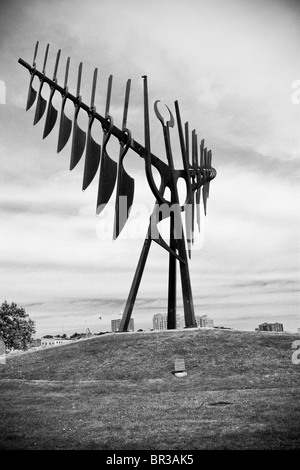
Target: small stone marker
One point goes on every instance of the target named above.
(2, 352)
(179, 368)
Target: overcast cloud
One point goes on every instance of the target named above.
(231, 66)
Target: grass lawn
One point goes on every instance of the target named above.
(117, 392)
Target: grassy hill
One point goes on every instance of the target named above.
(117, 391)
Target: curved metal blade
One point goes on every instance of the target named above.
(92, 159)
(204, 193)
(65, 128)
(32, 92)
(41, 102)
(65, 125)
(124, 200)
(93, 149)
(31, 95)
(51, 117)
(198, 197)
(51, 111)
(188, 212)
(40, 106)
(78, 144)
(107, 181)
(125, 184)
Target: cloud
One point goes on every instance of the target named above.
(231, 70)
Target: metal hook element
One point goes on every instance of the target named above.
(31, 91)
(158, 193)
(41, 102)
(170, 122)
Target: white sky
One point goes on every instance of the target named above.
(231, 66)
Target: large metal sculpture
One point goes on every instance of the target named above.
(197, 173)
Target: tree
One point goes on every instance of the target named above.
(16, 327)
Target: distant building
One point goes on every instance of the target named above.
(115, 325)
(270, 327)
(35, 343)
(53, 341)
(298, 331)
(204, 321)
(160, 321)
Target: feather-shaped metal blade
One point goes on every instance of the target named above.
(40, 106)
(108, 167)
(31, 91)
(209, 165)
(41, 102)
(198, 199)
(93, 149)
(93, 152)
(78, 144)
(198, 191)
(51, 115)
(65, 128)
(204, 188)
(125, 183)
(79, 136)
(107, 181)
(124, 201)
(194, 165)
(31, 94)
(65, 125)
(204, 192)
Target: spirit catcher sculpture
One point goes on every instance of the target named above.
(197, 173)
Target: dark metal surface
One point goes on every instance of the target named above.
(41, 102)
(31, 91)
(93, 149)
(79, 136)
(196, 174)
(125, 183)
(51, 114)
(108, 167)
(65, 126)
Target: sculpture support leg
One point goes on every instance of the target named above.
(171, 318)
(135, 283)
(188, 305)
(187, 296)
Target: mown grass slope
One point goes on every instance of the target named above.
(118, 392)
